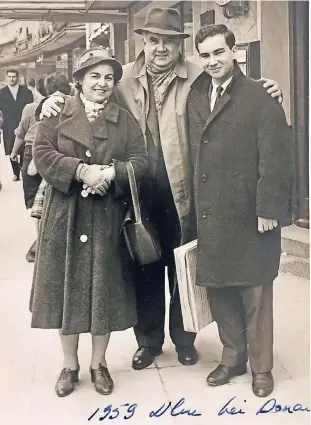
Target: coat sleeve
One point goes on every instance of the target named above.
(135, 152)
(275, 146)
(56, 169)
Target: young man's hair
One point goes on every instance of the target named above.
(40, 85)
(57, 82)
(210, 31)
(12, 70)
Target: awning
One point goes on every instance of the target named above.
(66, 11)
(58, 43)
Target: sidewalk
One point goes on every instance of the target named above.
(31, 358)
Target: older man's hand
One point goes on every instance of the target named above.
(272, 88)
(50, 106)
(266, 224)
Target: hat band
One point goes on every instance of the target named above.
(161, 27)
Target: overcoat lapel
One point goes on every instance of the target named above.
(225, 98)
(74, 123)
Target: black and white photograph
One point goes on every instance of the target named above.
(154, 212)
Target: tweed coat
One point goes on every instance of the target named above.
(12, 111)
(82, 278)
(241, 153)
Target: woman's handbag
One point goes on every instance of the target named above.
(141, 238)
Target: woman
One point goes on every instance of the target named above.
(82, 280)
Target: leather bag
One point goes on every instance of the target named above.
(141, 237)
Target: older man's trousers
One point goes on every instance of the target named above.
(150, 280)
(244, 317)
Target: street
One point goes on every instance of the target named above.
(31, 358)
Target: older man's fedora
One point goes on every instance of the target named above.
(163, 21)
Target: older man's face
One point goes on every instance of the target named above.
(161, 51)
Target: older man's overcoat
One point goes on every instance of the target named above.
(82, 278)
(241, 154)
(12, 111)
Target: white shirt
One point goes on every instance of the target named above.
(214, 93)
(14, 90)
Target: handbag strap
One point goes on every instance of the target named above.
(134, 191)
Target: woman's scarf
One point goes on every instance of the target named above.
(92, 109)
(160, 81)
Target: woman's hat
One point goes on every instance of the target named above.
(96, 55)
(163, 21)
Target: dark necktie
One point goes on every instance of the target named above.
(219, 92)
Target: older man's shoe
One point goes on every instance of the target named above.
(102, 380)
(144, 357)
(222, 374)
(65, 384)
(262, 384)
(187, 355)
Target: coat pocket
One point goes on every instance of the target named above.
(239, 197)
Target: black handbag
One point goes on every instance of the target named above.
(141, 237)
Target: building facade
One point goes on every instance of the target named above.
(272, 40)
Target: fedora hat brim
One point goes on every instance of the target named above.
(161, 31)
(116, 65)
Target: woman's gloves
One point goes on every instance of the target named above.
(95, 178)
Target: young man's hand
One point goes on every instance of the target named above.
(266, 224)
(272, 88)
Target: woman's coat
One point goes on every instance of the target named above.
(82, 279)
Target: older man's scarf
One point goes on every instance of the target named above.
(92, 109)
(160, 82)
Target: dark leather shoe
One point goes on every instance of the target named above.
(65, 384)
(187, 355)
(263, 384)
(102, 380)
(222, 374)
(144, 357)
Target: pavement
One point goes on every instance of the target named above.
(31, 359)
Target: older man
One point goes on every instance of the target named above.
(154, 89)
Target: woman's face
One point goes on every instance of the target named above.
(98, 83)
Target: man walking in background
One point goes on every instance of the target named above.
(13, 99)
(241, 153)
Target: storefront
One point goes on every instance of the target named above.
(272, 41)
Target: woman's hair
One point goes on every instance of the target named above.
(210, 31)
(57, 82)
(40, 85)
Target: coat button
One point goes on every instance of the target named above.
(83, 238)
(204, 178)
(84, 194)
(204, 214)
(88, 154)
(205, 141)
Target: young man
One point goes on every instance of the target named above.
(13, 99)
(241, 153)
(154, 89)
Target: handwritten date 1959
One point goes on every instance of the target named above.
(112, 413)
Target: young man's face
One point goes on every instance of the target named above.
(162, 51)
(217, 58)
(12, 79)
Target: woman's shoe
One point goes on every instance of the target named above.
(102, 380)
(65, 384)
